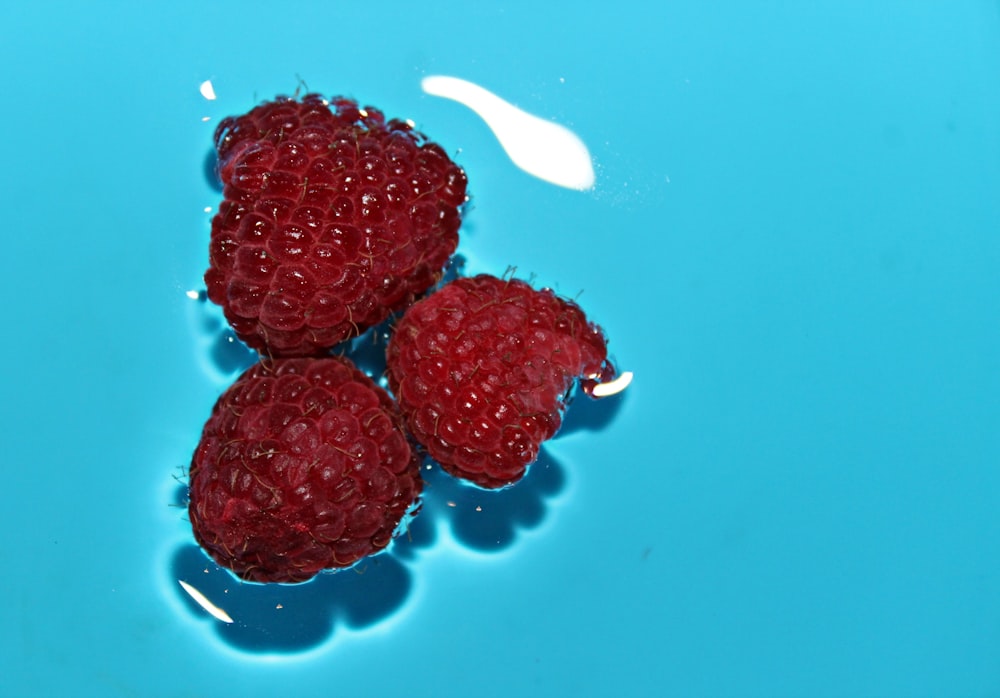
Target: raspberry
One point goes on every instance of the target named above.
(332, 219)
(302, 466)
(482, 370)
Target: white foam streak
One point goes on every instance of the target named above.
(542, 148)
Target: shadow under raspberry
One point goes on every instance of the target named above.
(367, 352)
(585, 413)
(210, 170)
(290, 618)
(228, 354)
(490, 520)
(280, 618)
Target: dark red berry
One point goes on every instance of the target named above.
(482, 369)
(333, 218)
(302, 466)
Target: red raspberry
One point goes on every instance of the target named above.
(333, 218)
(482, 369)
(302, 466)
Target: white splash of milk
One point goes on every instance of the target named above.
(542, 148)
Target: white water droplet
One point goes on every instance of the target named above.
(207, 90)
(542, 148)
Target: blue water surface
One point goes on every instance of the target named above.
(793, 242)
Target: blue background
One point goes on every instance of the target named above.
(793, 242)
